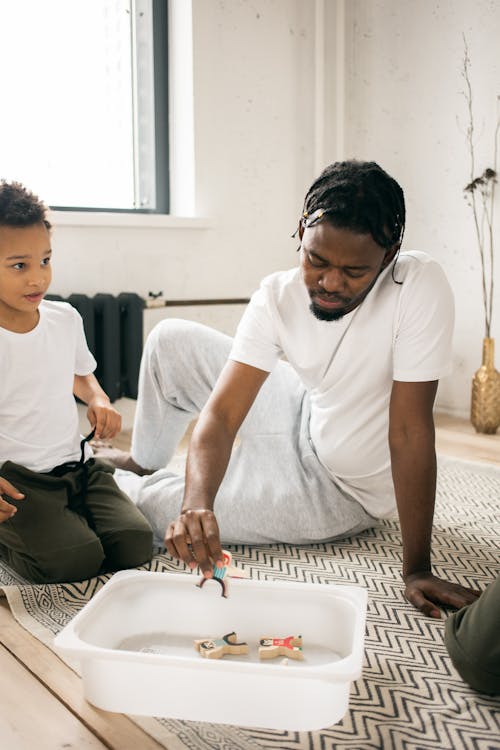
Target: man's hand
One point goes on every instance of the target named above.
(7, 510)
(425, 591)
(194, 538)
(104, 417)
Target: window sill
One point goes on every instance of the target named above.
(110, 219)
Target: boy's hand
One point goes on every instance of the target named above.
(106, 420)
(7, 510)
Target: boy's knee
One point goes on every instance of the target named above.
(128, 548)
(62, 566)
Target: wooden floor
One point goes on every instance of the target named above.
(457, 437)
(41, 699)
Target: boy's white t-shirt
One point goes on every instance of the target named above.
(39, 426)
(399, 332)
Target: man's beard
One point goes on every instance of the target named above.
(329, 315)
(322, 313)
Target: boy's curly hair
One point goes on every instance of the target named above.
(19, 207)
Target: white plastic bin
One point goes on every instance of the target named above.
(135, 642)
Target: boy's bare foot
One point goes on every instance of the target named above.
(98, 443)
(120, 459)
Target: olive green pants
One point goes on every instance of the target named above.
(72, 526)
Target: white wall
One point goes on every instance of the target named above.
(405, 109)
(256, 153)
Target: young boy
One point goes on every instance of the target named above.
(62, 516)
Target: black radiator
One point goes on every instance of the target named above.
(114, 330)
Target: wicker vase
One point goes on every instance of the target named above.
(485, 403)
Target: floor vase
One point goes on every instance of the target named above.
(485, 401)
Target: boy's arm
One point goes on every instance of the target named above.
(101, 415)
(413, 460)
(7, 510)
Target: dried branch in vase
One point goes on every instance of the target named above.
(480, 195)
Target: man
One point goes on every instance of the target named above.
(338, 434)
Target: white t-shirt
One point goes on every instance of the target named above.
(38, 414)
(399, 332)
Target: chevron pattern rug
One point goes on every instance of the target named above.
(409, 696)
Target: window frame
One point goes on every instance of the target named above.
(159, 181)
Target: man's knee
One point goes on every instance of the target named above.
(174, 336)
(171, 332)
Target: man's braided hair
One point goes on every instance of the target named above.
(360, 196)
(19, 207)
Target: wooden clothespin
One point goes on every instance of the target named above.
(216, 648)
(221, 574)
(270, 648)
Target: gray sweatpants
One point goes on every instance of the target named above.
(275, 489)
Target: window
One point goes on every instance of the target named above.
(84, 102)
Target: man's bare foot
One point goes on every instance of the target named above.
(120, 459)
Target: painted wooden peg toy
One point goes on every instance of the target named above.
(270, 648)
(221, 574)
(216, 648)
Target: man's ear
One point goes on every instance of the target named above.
(390, 255)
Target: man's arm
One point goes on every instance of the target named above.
(101, 415)
(194, 536)
(413, 459)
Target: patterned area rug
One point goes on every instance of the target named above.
(409, 697)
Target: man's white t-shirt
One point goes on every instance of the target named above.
(399, 332)
(38, 415)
